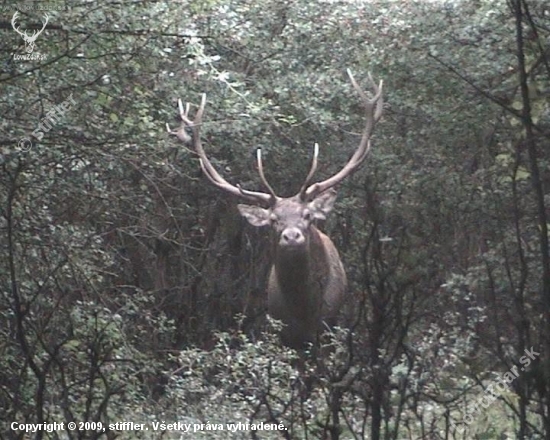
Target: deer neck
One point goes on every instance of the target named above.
(296, 270)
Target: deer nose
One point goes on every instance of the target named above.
(292, 237)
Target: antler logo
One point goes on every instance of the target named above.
(29, 39)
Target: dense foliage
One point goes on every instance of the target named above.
(131, 290)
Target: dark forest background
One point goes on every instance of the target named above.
(132, 290)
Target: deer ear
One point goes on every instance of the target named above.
(255, 215)
(321, 205)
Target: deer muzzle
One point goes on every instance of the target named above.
(292, 238)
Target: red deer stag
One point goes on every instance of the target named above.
(307, 282)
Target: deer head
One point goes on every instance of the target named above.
(29, 39)
(307, 281)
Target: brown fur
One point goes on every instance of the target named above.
(306, 289)
(307, 282)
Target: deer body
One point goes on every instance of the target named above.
(307, 282)
(306, 289)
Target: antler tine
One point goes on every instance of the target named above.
(373, 112)
(206, 166)
(13, 23)
(311, 171)
(262, 175)
(378, 98)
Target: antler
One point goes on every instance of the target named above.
(16, 29)
(206, 165)
(43, 27)
(35, 33)
(373, 112)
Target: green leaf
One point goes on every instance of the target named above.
(522, 174)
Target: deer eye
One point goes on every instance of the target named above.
(274, 219)
(307, 216)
